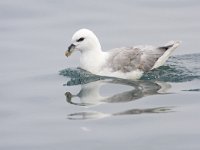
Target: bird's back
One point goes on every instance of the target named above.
(144, 58)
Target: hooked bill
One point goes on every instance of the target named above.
(70, 50)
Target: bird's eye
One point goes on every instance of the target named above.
(79, 40)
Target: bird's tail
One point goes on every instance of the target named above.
(172, 45)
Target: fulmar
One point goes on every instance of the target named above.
(124, 62)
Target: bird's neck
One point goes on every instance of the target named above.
(93, 60)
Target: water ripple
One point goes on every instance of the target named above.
(177, 69)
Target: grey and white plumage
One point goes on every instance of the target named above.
(125, 62)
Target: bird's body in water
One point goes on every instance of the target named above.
(125, 62)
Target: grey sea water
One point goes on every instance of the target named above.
(47, 103)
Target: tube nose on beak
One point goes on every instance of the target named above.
(70, 50)
(71, 47)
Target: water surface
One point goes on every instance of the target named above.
(47, 103)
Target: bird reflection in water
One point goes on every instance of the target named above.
(89, 96)
(98, 115)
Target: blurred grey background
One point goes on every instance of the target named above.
(34, 35)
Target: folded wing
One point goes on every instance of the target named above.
(143, 58)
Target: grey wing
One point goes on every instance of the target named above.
(124, 59)
(129, 59)
(150, 56)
